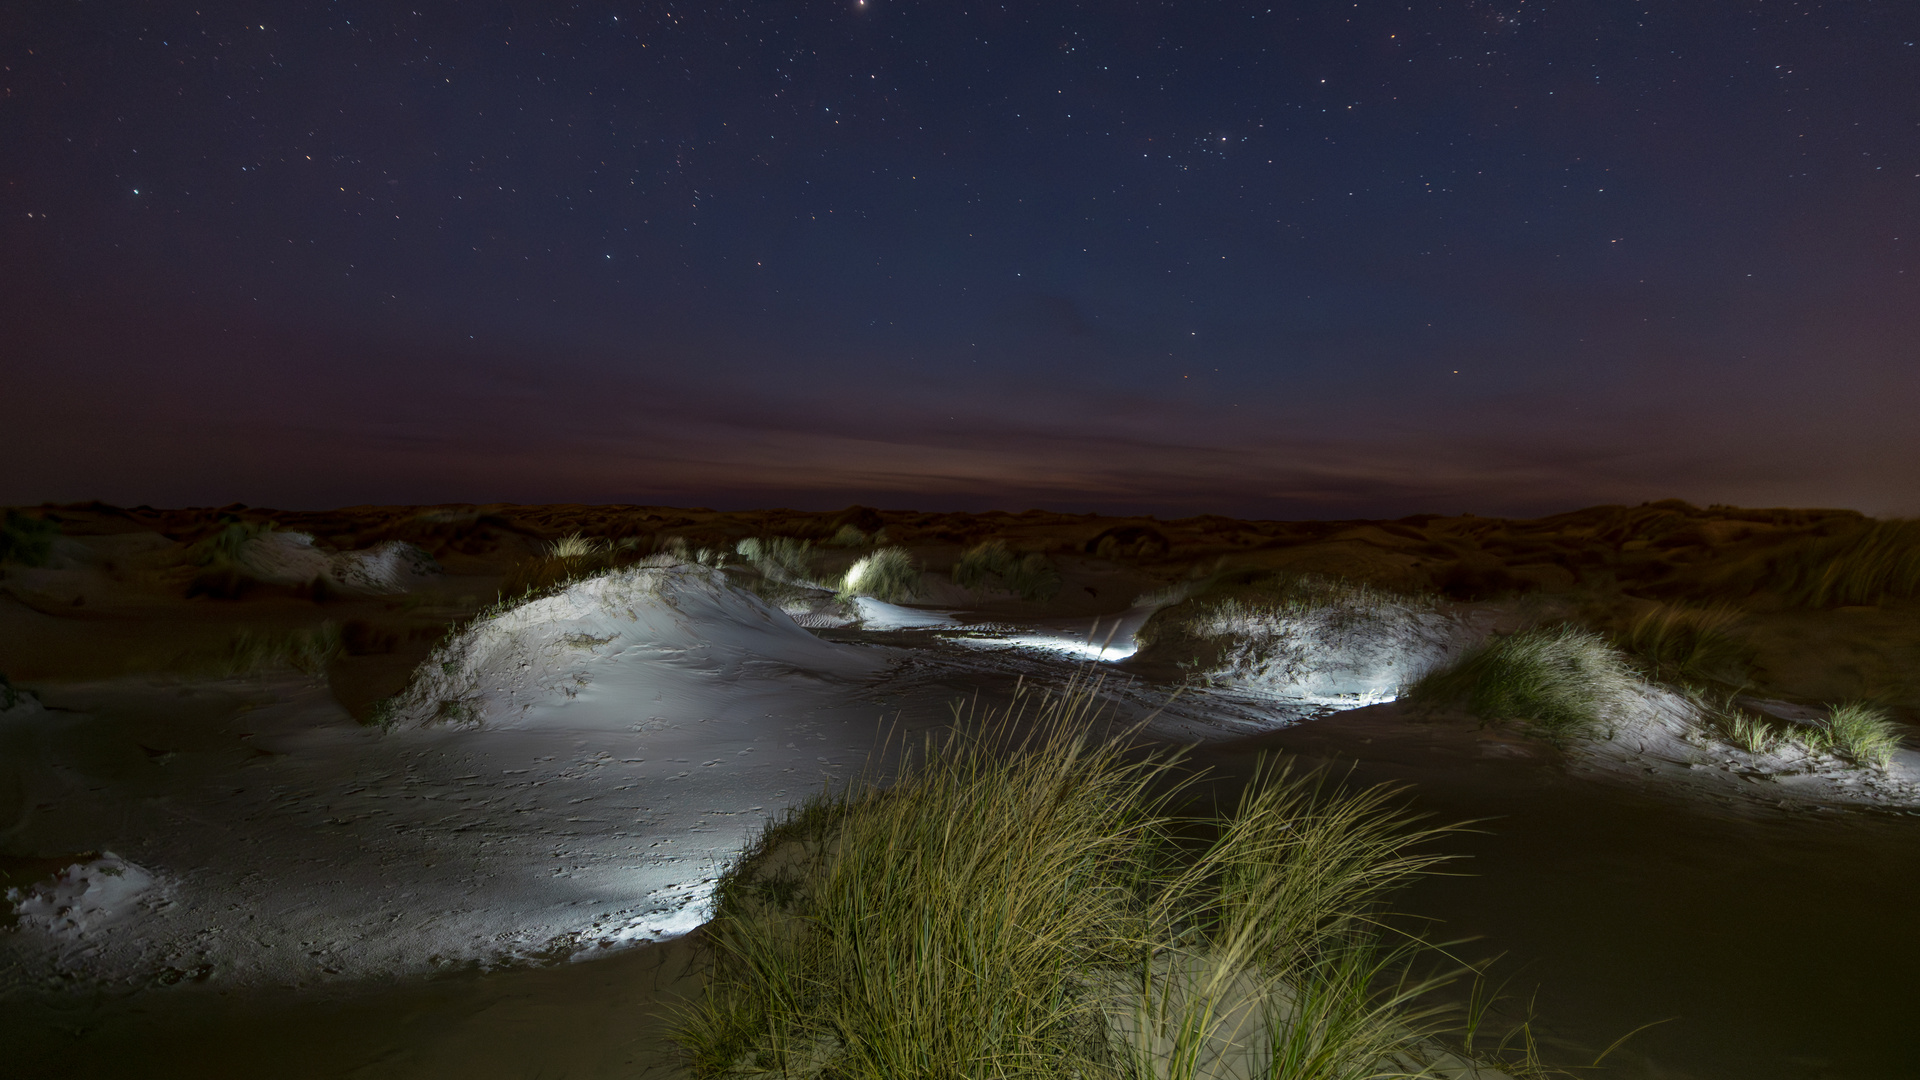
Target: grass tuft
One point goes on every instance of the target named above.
(309, 650)
(1689, 643)
(1563, 682)
(888, 574)
(576, 546)
(222, 549)
(783, 558)
(1721, 716)
(563, 562)
(1863, 734)
(850, 536)
(1014, 904)
(1877, 561)
(1031, 576)
(1749, 732)
(26, 540)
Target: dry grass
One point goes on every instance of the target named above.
(222, 549)
(1878, 560)
(564, 561)
(1690, 643)
(1030, 576)
(784, 559)
(888, 574)
(1014, 905)
(310, 650)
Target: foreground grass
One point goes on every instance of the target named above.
(1563, 682)
(1030, 905)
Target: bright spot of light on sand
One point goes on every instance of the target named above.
(1078, 648)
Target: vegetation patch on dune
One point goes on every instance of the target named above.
(309, 650)
(1861, 733)
(1688, 643)
(564, 561)
(1875, 561)
(784, 559)
(889, 574)
(1030, 576)
(1304, 636)
(26, 539)
(1031, 905)
(1562, 682)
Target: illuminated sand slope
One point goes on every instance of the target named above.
(1330, 655)
(616, 743)
(566, 776)
(1659, 736)
(667, 636)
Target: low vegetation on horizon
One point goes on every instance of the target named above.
(1030, 576)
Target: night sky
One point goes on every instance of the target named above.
(1273, 259)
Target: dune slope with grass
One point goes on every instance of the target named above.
(663, 629)
(1306, 639)
(1013, 903)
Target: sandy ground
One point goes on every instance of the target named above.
(240, 876)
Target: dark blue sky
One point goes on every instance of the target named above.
(1294, 260)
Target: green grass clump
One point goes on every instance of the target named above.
(26, 540)
(577, 546)
(1563, 682)
(1721, 716)
(1015, 905)
(1863, 734)
(888, 574)
(222, 549)
(782, 558)
(1876, 561)
(1689, 643)
(850, 536)
(561, 563)
(1748, 732)
(309, 650)
(1031, 576)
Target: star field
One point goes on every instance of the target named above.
(1273, 259)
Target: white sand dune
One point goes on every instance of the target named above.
(290, 558)
(624, 738)
(670, 633)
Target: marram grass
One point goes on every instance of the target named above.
(1563, 682)
(888, 574)
(309, 650)
(1031, 576)
(1014, 904)
(1689, 643)
(1879, 560)
(785, 559)
(1863, 734)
